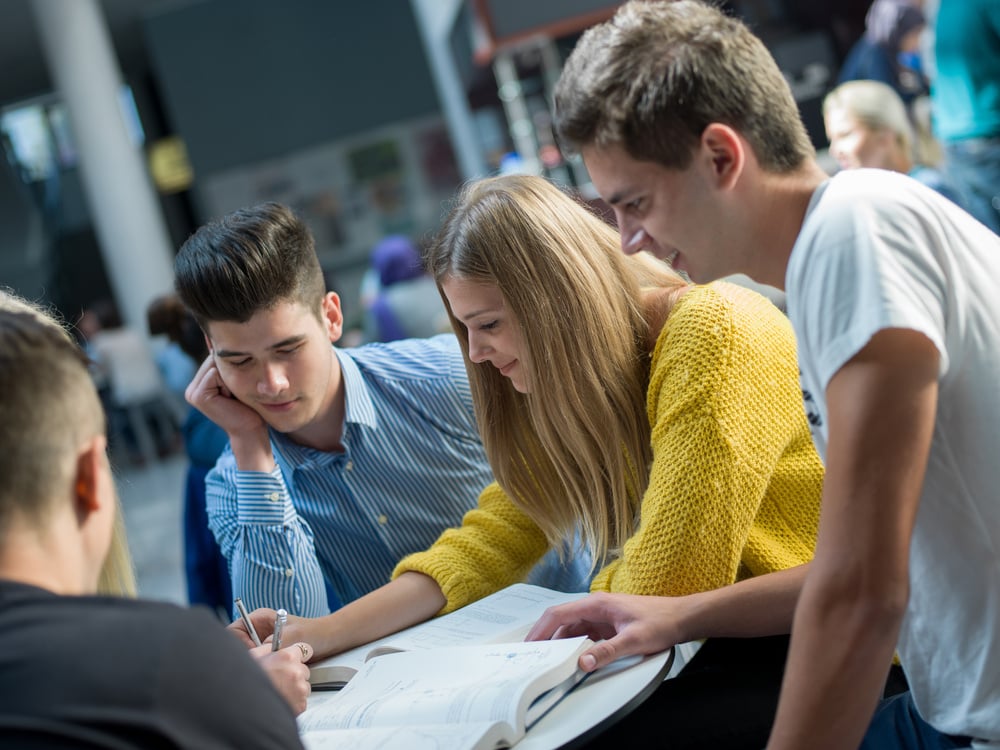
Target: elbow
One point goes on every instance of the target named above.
(862, 601)
(880, 610)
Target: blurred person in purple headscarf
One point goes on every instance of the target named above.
(407, 304)
(888, 50)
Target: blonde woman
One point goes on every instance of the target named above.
(662, 421)
(868, 126)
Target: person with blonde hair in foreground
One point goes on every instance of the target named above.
(661, 419)
(182, 681)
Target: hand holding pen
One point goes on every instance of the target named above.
(286, 667)
(277, 634)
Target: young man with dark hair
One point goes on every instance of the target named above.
(101, 671)
(342, 461)
(692, 136)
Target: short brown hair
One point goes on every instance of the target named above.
(50, 408)
(250, 260)
(656, 74)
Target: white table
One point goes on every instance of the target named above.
(604, 698)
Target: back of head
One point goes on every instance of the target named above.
(655, 75)
(248, 261)
(50, 409)
(164, 315)
(167, 315)
(558, 449)
(876, 106)
(889, 21)
(396, 258)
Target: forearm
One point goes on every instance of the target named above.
(252, 450)
(409, 599)
(759, 606)
(881, 415)
(842, 645)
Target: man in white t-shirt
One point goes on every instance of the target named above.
(692, 136)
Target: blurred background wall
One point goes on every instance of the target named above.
(364, 116)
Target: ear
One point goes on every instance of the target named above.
(333, 316)
(96, 510)
(725, 154)
(91, 473)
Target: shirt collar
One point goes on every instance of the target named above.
(358, 406)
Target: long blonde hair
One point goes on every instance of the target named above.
(573, 452)
(118, 572)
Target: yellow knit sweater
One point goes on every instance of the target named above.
(735, 482)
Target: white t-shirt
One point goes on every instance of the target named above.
(878, 250)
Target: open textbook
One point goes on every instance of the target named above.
(503, 617)
(479, 697)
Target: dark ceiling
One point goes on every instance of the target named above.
(25, 73)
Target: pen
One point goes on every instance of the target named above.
(246, 621)
(279, 625)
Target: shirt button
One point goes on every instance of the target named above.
(274, 497)
(383, 519)
(289, 572)
(349, 465)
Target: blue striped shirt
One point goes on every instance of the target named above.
(339, 522)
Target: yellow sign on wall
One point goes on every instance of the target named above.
(169, 165)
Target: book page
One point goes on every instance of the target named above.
(504, 616)
(462, 684)
(480, 736)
